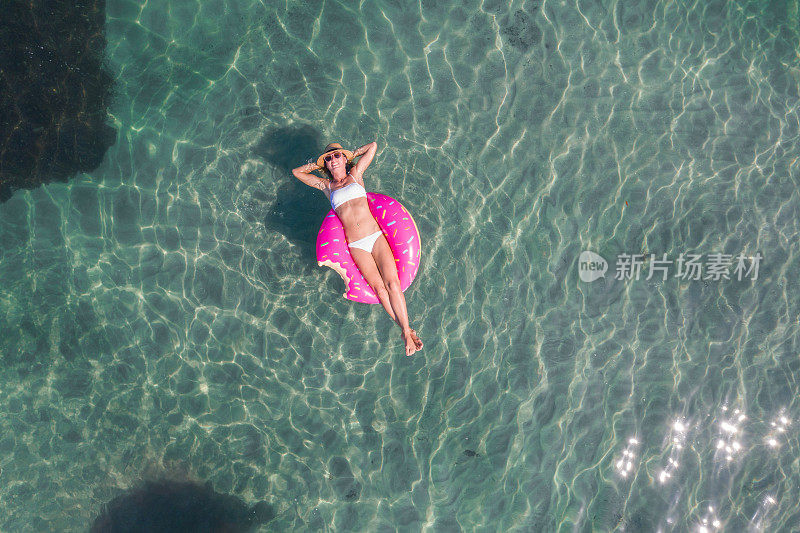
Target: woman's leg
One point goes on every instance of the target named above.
(388, 269)
(366, 263)
(369, 269)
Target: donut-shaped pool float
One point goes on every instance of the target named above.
(398, 227)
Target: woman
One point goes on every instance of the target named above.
(371, 253)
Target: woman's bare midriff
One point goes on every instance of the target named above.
(356, 219)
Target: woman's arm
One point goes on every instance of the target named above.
(368, 152)
(304, 174)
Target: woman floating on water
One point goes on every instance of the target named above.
(367, 244)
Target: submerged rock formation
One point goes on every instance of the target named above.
(168, 505)
(54, 92)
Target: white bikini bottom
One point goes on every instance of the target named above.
(367, 242)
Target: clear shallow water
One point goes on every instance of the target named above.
(167, 308)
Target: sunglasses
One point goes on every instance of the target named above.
(335, 155)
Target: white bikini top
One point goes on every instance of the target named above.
(347, 193)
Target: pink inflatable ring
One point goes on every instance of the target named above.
(401, 232)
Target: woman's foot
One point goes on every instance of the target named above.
(408, 337)
(417, 340)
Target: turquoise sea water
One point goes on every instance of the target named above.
(167, 310)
